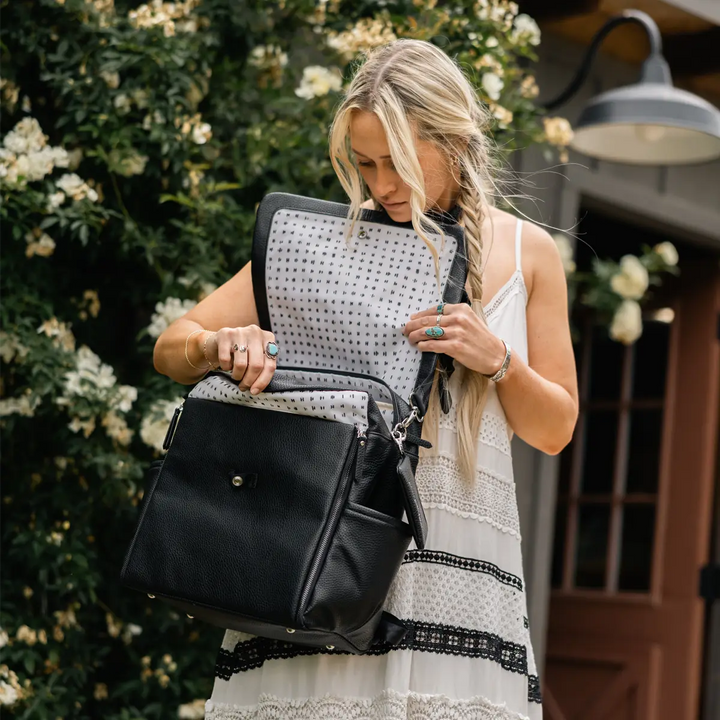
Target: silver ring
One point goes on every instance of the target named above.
(241, 348)
(438, 320)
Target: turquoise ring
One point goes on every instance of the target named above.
(271, 350)
(441, 308)
(435, 331)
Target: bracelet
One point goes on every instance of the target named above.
(194, 332)
(503, 368)
(212, 334)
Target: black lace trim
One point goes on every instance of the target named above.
(422, 636)
(443, 558)
(534, 694)
(526, 622)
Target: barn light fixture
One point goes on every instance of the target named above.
(649, 123)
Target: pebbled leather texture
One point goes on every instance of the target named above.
(413, 505)
(366, 551)
(244, 549)
(307, 541)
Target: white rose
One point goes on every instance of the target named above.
(127, 395)
(112, 79)
(317, 81)
(8, 694)
(492, 85)
(70, 183)
(503, 115)
(526, 29)
(201, 133)
(627, 325)
(40, 164)
(632, 280)
(55, 200)
(192, 711)
(668, 252)
(167, 312)
(122, 104)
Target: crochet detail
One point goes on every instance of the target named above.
(515, 283)
(389, 705)
(493, 429)
(491, 498)
(534, 694)
(444, 558)
(421, 636)
(433, 593)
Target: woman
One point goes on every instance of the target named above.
(410, 133)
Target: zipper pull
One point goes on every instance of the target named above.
(170, 434)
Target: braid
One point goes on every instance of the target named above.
(472, 401)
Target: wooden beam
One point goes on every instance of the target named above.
(557, 9)
(693, 53)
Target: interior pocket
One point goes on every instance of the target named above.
(344, 406)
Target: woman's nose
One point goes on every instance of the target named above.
(385, 184)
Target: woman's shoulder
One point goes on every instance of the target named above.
(539, 249)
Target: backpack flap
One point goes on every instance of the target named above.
(342, 305)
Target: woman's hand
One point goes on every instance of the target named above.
(466, 338)
(252, 368)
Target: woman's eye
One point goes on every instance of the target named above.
(364, 164)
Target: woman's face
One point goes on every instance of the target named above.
(369, 143)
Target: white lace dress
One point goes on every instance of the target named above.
(468, 655)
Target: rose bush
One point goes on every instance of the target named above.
(614, 291)
(137, 140)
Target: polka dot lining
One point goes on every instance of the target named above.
(343, 308)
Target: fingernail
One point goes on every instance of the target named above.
(254, 391)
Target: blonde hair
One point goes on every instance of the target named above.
(418, 92)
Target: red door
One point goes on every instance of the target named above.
(634, 512)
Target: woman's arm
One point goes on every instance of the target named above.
(540, 397)
(230, 305)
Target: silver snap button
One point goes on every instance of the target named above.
(330, 647)
(362, 234)
(362, 443)
(237, 481)
(290, 630)
(152, 597)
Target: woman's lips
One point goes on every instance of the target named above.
(392, 205)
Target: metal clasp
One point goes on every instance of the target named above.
(399, 432)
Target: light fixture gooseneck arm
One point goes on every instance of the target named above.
(655, 68)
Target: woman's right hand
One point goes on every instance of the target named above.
(253, 369)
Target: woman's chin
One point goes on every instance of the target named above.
(399, 212)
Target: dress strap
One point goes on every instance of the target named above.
(518, 236)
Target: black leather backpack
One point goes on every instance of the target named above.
(287, 514)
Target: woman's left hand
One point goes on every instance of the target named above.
(466, 338)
